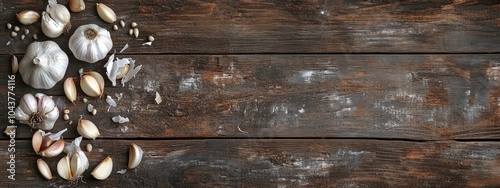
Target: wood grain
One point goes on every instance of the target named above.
(274, 163)
(310, 26)
(420, 97)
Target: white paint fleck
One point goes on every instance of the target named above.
(301, 110)
(310, 76)
(151, 86)
(191, 83)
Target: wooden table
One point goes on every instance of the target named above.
(283, 94)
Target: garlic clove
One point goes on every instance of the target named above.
(28, 17)
(70, 89)
(44, 169)
(90, 86)
(98, 77)
(87, 129)
(64, 168)
(14, 64)
(122, 71)
(29, 104)
(53, 150)
(45, 103)
(76, 5)
(135, 156)
(36, 140)
(75, 164)
(103, 169)
(107, 14)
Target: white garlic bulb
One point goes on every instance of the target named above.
(90, 43)
(39, 111)
(43, 65)
(55, 19)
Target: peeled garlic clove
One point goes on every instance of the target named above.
(28, 17)
(135, 156)
(98, 77)
(87, 129)
(44, 169)
(103, 170)
(106, 13)
(90, 86)
(70, 89)
(64, 168)
(14, 64)
(122, 71)
(53, 150)
(76, 5)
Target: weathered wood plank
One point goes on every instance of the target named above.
(423, 97)
(310, 26)
(274, 163)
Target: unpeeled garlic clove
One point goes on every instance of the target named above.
(90, 86)
(87, 129)
(28, 17)
(14, 64)
(134, 156)
(103, 169)
(48, 144)
(53, 150)
(76, 5)
(44, 169)
(106, 13)
(64, 168)
(70, 89)
(98, 77)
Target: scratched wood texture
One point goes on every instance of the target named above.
(280, 163)
(286, 94)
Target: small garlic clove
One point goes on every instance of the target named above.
(14, 64)
(107, 14)
(115, 27)
(103, 169)
(98, 77)
(87, 129)
(66, 117)
(133, 25)
(54, 149)
(9, 25)
(44, 169)
(89, 147)
(76, 5)
(36, 140)
(90, 86)
(131, 32)
(122, 71)
(28, 17)
(64, 168)
(135, 156)
(122, 23)
(75, 164)
(136, 32)
(70, 89)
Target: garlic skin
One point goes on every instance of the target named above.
(28, 17)
(39, 111)
(55, 19)
(72, 166)
(43, 65)
(90, 43)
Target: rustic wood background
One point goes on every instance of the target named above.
(284, 93)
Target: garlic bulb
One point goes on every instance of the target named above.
(39, 111)
(90, 43)
(43, 65)
(55, 19)
(72, 166)
(48, 144)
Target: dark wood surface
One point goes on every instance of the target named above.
(285, 94)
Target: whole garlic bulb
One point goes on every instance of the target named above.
(39, 111)
(43, 65)
(55, 19)
(90, 43)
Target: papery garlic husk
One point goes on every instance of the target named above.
(114, 69)
(70, 89)
(43, 65)
(39, 111)
(48, 144)
(55, 19)
(87, 129)
(44, 169)
(107, 14)
(103, 169)
(134, 156)
(76, 5)
(75, 163)
(90, 43)
(28, 17)
(92, 85)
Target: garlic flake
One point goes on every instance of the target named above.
(55, 19)
(43, 65)
(90, 43)
(39, 111)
